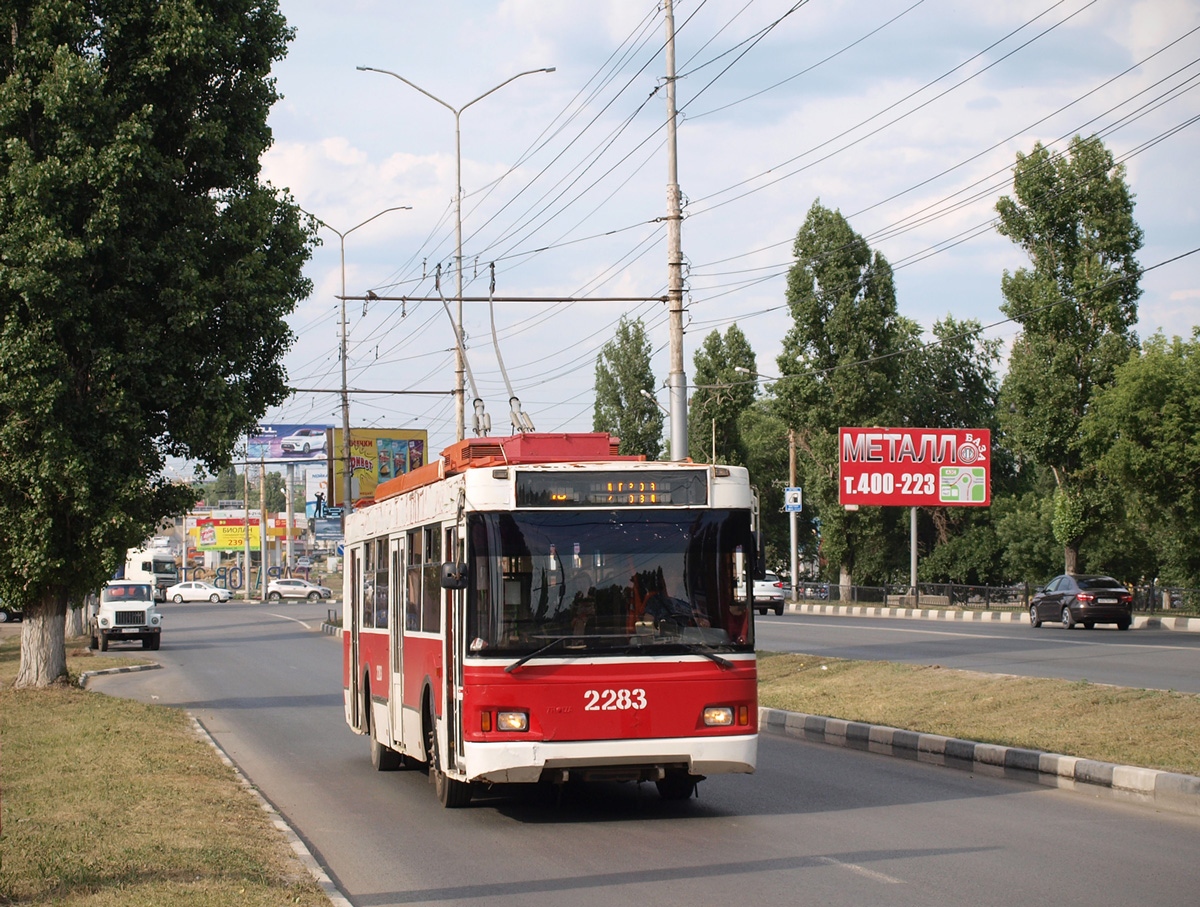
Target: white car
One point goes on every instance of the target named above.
(304, 441)
(768, 593)
(197, 591)
(296, 588)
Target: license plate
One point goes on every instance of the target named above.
(1107, 601)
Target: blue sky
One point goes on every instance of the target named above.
(906, 115)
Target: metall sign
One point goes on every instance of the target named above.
(907, 467)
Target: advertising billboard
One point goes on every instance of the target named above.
(376, 455)
(226, 531)
(915, 467)
(316, 482)
(288, 442)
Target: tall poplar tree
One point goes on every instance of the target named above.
(837, 369)
(1072, 214)
(145, 273)
(623, 378)
(720, 395)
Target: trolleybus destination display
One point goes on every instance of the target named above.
(914, 467)
(625, 488)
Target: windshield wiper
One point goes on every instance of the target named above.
(534, 654)
(701, 649)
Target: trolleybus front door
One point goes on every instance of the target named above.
(396, 586)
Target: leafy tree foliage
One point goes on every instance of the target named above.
(622, 375)
(145, 273)
(1142, 432)
(722, 394)
(951, 382)
(1072, 214)
(837, 369)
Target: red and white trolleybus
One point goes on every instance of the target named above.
(541, 609)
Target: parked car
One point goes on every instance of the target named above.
(768, 593)
(296, 588)
(7, 613)
(1087, 600)
(304, 441)
(197, 591)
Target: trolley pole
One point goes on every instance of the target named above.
(677, 379)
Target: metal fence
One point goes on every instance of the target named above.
(1148, 598)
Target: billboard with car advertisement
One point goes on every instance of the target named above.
(915, 467)
(376, 455)
(288, 442)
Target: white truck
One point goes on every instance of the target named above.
(155, 566)
(125, 610)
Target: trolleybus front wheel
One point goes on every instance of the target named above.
(451, 793)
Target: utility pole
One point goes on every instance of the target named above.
(262, 526)
(792, 516)
(676, 380)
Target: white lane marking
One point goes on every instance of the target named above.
(862, 871)
(293, 619)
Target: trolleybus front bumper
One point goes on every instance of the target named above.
(530, 761)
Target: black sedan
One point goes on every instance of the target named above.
(1087, 600)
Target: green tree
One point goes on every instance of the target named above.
(1142, 432)
(145, 272)
(623, 378)
(838, 368)
(1072, 214)
(722, 394)
(951, 382)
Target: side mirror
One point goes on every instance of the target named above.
(454, 576)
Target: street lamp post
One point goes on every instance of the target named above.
(459, 365)
(347, 472)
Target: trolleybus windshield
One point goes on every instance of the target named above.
(608, 581)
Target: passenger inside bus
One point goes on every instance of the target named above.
(583, 602)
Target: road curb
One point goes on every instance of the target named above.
(127, 669)
(1186, 624)
(336, 897)
(1168, 791)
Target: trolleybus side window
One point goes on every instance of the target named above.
(381, 583)
(431, 612)
(412, 603)
(368, 593)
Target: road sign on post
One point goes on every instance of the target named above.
(793, 500)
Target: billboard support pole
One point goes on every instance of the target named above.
(290, 523)
(912, 558)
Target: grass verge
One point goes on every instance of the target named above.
(112, 802)
(1147, 728)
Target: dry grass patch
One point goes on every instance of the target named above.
(109, 801)
(1148, 728)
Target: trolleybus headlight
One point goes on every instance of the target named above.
(512, 721)
(718, 716)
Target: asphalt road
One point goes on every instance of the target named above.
(816, 824)
(1146, 659)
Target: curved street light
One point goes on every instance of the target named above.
(459, 365)
(347, 472)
